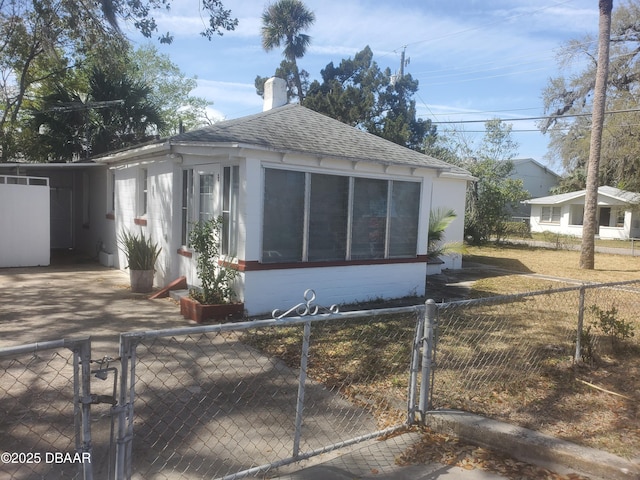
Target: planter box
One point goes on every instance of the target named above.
(194, 310)
(141, 280)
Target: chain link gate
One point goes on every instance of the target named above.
(218, 401)
(239, 399)
(45, 398)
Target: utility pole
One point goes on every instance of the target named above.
(402, 61)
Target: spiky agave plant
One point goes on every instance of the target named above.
(141, 252)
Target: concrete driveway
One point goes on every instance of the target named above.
(213, 402)
(76, 297)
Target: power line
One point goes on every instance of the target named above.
(547, 117)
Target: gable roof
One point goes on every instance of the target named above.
(522, 161)
(297, 129)
(612, 192)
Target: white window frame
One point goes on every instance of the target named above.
(143, 192)
(186, 207)
(350, 216)
(552, 214)
(230, 192)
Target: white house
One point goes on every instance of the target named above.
(536, 179)
(618, 213)
(307, 202)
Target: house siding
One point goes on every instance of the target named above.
(449, 194)
(265, 291)
(536, 179)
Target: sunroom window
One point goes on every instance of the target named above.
(320, 217)
(328, 217)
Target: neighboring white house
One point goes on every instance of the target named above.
(618, 213)
(537, 179)
(307, 202)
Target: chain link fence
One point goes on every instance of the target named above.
(241, 399)
(540, 359)
(41, 420)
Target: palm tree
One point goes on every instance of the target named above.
(117, 111)
(587, 252)
(133, 119)
(439, 220)
(283, 23)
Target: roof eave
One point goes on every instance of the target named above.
(136, 152)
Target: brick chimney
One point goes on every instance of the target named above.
(275, 93)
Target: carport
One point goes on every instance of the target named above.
(52, 206)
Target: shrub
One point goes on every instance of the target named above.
(617, 329)
(215, 277)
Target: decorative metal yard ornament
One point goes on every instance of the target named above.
(305, 308)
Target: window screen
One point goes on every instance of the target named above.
(283, 220)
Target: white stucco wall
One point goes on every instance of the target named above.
(450, 193)
(267, 290)
(264, 289)
(159, 222)
(24, 222)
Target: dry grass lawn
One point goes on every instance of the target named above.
(519, 355)
(559, 401)
(556, 263)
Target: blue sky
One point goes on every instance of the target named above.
(474, 60)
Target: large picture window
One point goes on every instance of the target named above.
(328, 215)
(403, 215)
(320, 217)
(283, 216)
(369, 218)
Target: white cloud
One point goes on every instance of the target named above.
(230, 99)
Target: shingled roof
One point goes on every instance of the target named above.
(612, 192)
(296, 129)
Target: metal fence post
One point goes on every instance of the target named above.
(124, 408)
(304, 357)
(81, 349)
(578, 355)
(414, 369)
(427, 348)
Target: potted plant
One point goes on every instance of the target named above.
(141, 254)
(215, 298)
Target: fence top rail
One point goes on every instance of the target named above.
(287, 321)
(69, 343)
(497, 299)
